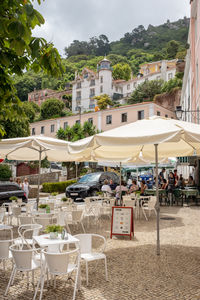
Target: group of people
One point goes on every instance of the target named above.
(23, 185)
(114, 189)
(174, 181)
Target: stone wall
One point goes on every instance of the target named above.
(169, 100)
(46, 177)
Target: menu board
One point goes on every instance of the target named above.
(122, 221)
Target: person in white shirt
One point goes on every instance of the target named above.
(25, 187)
(105, 187)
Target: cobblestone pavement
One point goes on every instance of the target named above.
(135, 271)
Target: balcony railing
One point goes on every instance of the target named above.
(78, 98)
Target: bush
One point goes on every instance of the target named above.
(60, 187)
(5, 172)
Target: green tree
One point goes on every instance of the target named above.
(35, 107)
(103, 101)
(172, 49)
(121, 71)
(146, 91)
(5, 172)
(168, 86)
(29, 111)
(20, 50)
(51, 108)
(17, 128)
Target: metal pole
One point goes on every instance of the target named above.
(38, 191)
(76, 163)
(120, 182)
(157, 201)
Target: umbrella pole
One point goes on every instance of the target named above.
(120, 182)
(38, 191)
(157, 201)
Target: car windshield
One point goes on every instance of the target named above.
(89, 177)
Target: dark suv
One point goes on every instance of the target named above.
(90, 184)
(9, 189)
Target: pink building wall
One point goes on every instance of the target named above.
(99, 118)
(194, 37)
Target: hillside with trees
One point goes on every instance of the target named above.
(166, 41)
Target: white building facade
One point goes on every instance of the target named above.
(89, 83)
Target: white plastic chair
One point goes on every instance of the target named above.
(24, 261)
(27, 230)
(77, 217)
(59, 264)
(2, 215)
(149, 206)
(16, 211)
(24, 219)
(87, 253)
(5, 254)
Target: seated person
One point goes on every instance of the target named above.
(134, 187)
(106, 188)
(112, 185)
(181, 182)
(143, 187)
(190, 181)
(149, 184)
(123, 189)
(164, 184)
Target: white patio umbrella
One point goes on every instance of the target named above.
(36, 148)
(156, 137)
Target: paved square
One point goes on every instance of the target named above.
(135, 271)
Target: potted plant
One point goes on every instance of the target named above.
(13, 198)
(53, 230)
(44, 207)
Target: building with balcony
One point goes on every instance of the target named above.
(39, 96)
(102, 119)
(190, 97)
(89, 83)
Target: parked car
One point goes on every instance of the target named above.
(56, 166)
(90, 184)
(9, 189)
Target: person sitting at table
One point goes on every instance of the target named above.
(176, 177)
(164, 184)
(123, 189)
(149, 184)
(143, 187)
(190, 181)
(106, 188)
(134, 187)
(181, 182)
(112, 185)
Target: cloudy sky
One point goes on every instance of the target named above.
(68, 20)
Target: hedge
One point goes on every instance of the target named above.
(5, 172)
(60, 187)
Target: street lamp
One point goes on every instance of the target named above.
(79, 111)
(179, 112)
